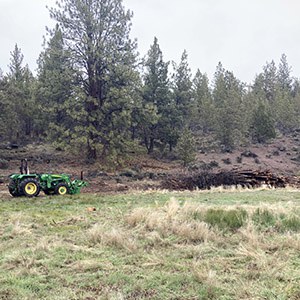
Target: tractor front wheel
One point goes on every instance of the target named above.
(30, 187)
(61, 189)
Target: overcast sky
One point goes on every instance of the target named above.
(242, 34)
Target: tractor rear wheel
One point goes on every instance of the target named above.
(61, 189)
(30, 187)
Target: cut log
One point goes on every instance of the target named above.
(207, 180)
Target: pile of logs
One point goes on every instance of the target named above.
(206, 180)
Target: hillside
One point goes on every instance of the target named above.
(281, 157)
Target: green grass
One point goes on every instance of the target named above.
(219, 244)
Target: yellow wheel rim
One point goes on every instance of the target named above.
(62, 190)
(30, 188)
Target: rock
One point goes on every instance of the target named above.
(257, 161)
(91, 209)
(248, 153)
(296, 158)
(281, 148)
(226, 161)
(128, 173)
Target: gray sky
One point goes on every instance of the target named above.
(242, 34)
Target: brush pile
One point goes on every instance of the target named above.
(244, 178)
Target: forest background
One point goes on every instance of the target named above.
(94, 93)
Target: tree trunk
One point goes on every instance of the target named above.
(91, 152)
(151, 146)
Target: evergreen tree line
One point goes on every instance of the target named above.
(93, 92)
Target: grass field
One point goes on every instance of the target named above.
(156, 245)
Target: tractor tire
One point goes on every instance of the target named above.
(13, 189)
(61, 189)
(30, 187)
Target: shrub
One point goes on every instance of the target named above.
(239, 159)
(3, 164)
(226, 161)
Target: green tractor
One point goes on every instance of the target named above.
(30, 185)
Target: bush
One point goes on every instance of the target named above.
(239, 159)
(226, 161)
(4, 164)
(226, 219)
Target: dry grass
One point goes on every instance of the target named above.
(114, 237)
(152, 246)
(170, 219)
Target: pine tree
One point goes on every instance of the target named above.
(19, 100)
(203, 111)
(182, 87)
(155, 96)
(179, 108)
(97, 36)
(262, 125)
(228, 95)
(283, 74)
(285, 108)
(55, 89)
(186, 147)
(270, 81)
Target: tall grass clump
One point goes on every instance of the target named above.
(290, 224)
(263, 218)
(226, 219)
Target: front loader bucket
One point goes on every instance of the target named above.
(76, 186)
